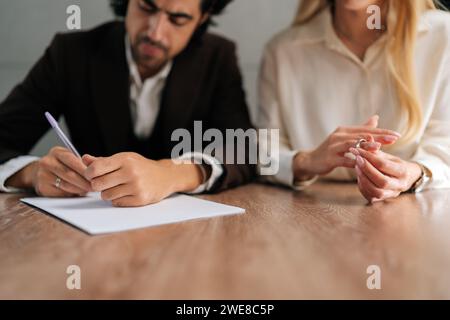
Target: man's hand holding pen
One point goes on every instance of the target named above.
(126, 179)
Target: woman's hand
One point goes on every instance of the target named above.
(383, 176)
(331, 153)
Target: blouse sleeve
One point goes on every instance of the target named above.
(270, 117)
(434, 148)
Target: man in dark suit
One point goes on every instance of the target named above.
(123, 89)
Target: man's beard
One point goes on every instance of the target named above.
(141, 58)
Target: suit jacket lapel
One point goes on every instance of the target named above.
(110, 90)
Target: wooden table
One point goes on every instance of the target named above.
(289, 245)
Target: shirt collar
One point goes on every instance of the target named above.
(333, 41)
(320, 29)
(134, 72)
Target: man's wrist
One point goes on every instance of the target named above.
(23, 179)
(185, 176)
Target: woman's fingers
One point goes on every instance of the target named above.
(344, 162)
(375, 176)
(341, 148)
(385, 139)
(365, 187)
(370, 146)
(381, 162)
(370, 191)
(368, 130)
(372, 122)
(380, 138)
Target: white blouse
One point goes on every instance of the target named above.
(311, 83)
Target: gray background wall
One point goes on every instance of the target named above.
(27, 26)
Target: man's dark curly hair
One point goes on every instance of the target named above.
(213, 7)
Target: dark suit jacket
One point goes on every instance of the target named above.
(84, 76)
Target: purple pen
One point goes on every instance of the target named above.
(61, 134)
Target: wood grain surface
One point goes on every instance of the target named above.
(289, 245)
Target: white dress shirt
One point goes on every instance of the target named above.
(311, 83)
(145, 98)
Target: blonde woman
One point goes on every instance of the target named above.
(324, 78)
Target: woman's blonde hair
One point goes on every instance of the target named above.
(403, 18)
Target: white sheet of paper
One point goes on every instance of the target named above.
(96, 216)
